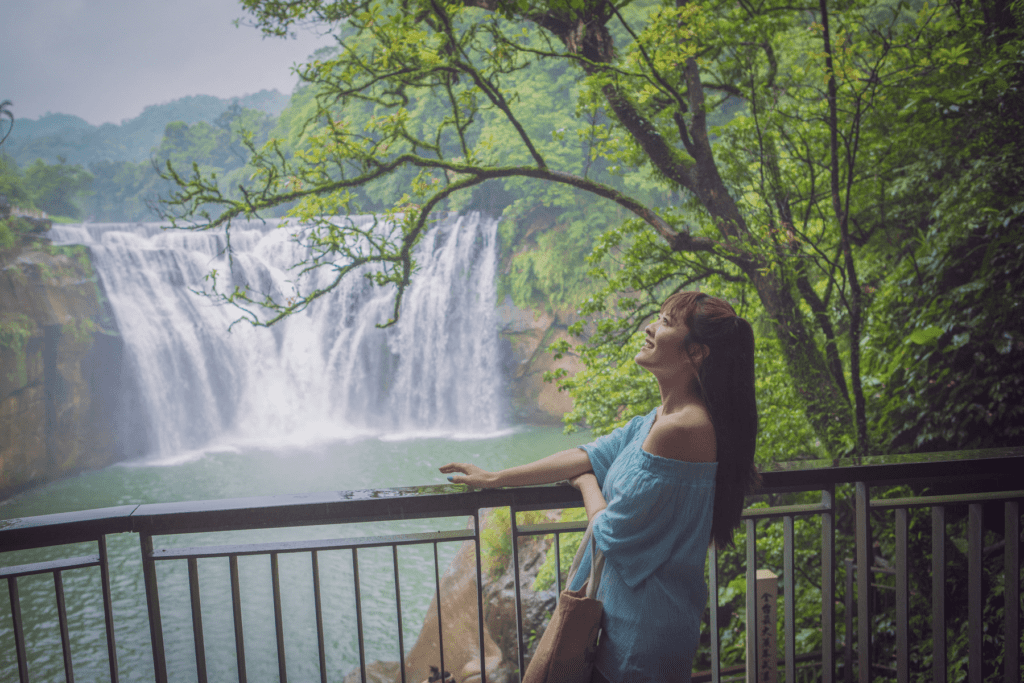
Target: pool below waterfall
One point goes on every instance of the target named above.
(244, 470)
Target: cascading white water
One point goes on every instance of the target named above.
(327, 370)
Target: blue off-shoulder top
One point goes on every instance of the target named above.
(654, 535)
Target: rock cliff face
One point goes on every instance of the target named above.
(60, 366)
(526, 336)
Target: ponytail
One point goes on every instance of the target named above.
(725, 379)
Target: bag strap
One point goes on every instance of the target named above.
(596, 562)
(596, 568)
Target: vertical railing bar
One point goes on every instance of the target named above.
(789, 588)
(751, 596)
(521, 643)
(275, 579)
(848, 609)
(716, 646)
(865, 560)
(828, 586)
(62, 624)
(975, 536)
(19, 632)
(1011, 592)
(479, 597)
(319, 611)
(938, 594)
(359, 615)
(236, 610)
(197, 618)
(558, 566)
(902, 600)
(398, 608)
(156, 631)
(108, 608)
(440, 625)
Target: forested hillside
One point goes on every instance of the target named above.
(56, 136)
(63, 165)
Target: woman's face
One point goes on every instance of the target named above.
(663, 347)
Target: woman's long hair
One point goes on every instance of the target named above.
(726, 383)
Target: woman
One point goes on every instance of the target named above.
(674, 480)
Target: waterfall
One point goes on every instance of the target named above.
(327, 371)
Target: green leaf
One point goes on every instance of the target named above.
(926, 335)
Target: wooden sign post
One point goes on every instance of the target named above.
(767, 592)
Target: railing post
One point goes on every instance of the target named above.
(108, 608)
(938, 594)
(359, 612)
(236, 611)
(62, 623)
(480, 594)
(19, 628)
(828, 586)
(1011, 592)
(716, 647)
(521, 643)
(440, 621)
(156, 631)
(848, 609)
(275, 582)
(318, 613)
(751, 598)
(902, 599)
(197, 619)
(398, 610)
(975, 533)
(865, 560)
(789, 588)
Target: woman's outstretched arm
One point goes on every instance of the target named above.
(561, 465)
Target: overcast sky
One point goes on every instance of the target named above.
(105, 60)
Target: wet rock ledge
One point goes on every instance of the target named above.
(60, 366)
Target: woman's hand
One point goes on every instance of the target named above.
(471, 475)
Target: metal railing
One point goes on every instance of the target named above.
(985, 477)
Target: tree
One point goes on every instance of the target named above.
(783, 201)
(5, 112)
(56, 188)
(12, 184)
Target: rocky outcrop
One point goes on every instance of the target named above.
(60, 366)
(500, 605)
(461, 631)
(526, 336)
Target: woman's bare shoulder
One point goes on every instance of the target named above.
(683, 435)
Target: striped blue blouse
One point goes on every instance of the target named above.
(654, 535)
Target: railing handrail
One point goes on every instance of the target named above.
(455, 500)
(973, 476)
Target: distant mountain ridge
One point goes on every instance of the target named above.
(79, 142)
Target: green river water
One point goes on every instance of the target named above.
(242, 471)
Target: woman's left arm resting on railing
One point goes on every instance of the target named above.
(593, 499)
(562, 465)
